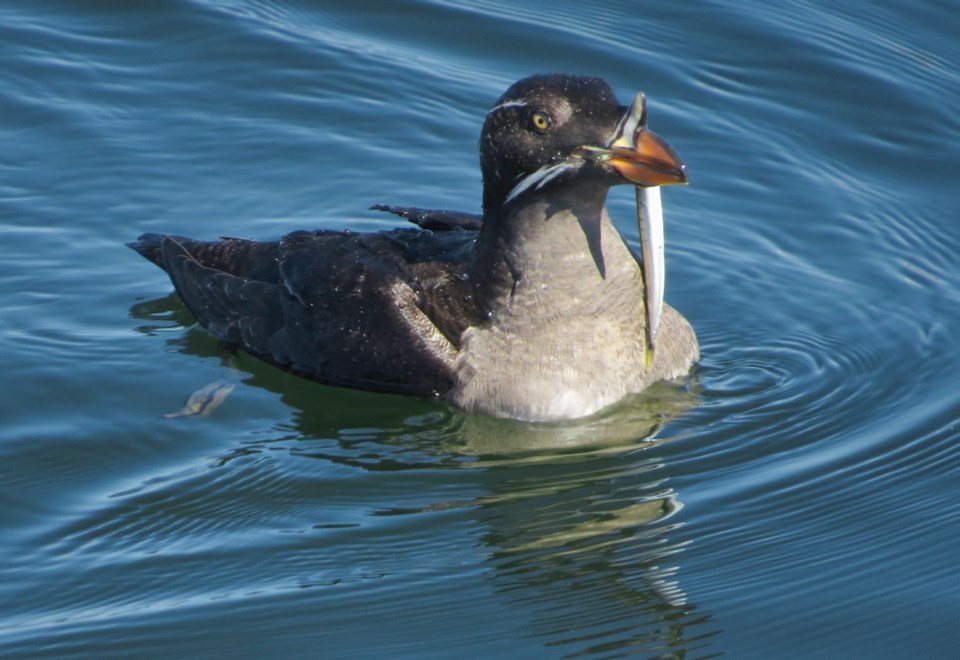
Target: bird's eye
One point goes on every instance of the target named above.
(540, 121)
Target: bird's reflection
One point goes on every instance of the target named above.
(579, 518)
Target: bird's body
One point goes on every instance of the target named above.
(535, 313)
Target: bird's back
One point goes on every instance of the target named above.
(380, 311)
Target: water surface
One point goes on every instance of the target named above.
(798, 499)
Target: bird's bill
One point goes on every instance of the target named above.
(641, 156)
(651, 162)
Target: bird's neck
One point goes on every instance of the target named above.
(561, 298)
(558, 252)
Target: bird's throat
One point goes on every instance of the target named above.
(544, 246)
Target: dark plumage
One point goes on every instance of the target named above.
(512, 313)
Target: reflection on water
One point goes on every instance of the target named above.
(586, 546)
(576, 519)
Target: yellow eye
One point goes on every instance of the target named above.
(540, 121)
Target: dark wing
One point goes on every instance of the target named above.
(354, 310)
(236, 256)
(434, 219)
(243, 311)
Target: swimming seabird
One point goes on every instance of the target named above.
(534, 310)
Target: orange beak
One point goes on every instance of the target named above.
(641, 156)
(650, 162)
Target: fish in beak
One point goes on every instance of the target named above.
(645, 159)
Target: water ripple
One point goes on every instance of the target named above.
(807, 471)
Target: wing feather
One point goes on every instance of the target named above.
(370, 311)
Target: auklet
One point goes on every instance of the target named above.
(533, 311)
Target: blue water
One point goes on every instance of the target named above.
(799, 500)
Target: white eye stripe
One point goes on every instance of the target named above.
(507, 104)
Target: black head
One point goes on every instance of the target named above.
(538, 121)
(552, 127)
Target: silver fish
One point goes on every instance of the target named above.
(650, 218)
